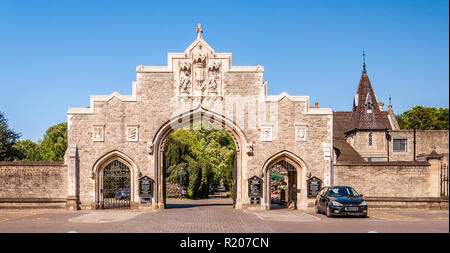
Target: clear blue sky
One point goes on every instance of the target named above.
(55, 54)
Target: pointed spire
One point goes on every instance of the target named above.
(364, 63)
(366, 113)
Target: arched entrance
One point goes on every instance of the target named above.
(294, 170)
(115, 177)
(116, 186)
(283, 185)
(185, 120)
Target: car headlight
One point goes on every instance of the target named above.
(363, 203)
(335, 203)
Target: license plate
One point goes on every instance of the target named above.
(351, 209)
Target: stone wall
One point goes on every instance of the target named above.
(385, 179)
(37, 184)
(426, 141)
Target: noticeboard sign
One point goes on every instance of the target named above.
(255, 187)
(314, 186)
(145, 187)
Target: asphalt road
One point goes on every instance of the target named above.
(218, 216)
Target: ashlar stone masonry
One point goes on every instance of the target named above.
(198, 85)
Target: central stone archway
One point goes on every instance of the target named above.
(183, 120)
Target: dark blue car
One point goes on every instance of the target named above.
(340, 200)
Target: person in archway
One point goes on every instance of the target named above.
(293, 197)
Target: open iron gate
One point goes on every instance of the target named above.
(116, 186)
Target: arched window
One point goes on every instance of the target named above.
(370, 139)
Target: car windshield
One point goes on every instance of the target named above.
(342, 192)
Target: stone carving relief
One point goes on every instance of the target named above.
(199, 70)
(185, 78)
(150, 148)
(214, 77)
(200, 74)
(300, 133)
(249, 149)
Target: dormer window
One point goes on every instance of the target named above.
(369, 104)
(370, 139)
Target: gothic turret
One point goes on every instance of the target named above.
(366, 113)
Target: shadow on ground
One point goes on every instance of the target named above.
(170, 206)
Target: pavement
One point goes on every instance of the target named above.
(218, 216)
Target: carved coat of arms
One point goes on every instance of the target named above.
(199, 75)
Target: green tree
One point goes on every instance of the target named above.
(424, 118)
(206, 156)
(7, 140)
(27, 151)
(54, 144)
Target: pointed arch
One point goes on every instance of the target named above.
(103, 161)
(301, 169)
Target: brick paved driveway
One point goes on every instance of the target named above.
(217, 215)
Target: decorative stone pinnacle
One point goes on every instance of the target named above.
(199, 31)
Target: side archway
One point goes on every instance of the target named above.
(301, 170)
(102, 163)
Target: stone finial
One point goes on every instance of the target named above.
(199, 31)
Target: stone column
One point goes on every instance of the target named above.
(435, 171)
(72, 180)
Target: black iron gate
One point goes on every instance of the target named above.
(444, 180)
(116, 186)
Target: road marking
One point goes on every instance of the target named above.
(41, 219)
(105, 216)
(15, 215)
(393, 217)
(283, 215)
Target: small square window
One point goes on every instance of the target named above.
(132, 133)
(400, 145)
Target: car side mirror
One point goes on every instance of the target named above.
(361, 195)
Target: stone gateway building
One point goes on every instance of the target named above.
(198, 85)
(115, 154)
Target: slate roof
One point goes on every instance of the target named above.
(364, 99)
(344, 151)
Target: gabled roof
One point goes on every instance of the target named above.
(344, 151)
(366, 114)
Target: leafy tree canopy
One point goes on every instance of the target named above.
(424, 118)
(54, 144)
(7, 140)
(199, 159)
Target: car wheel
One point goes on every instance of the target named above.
(317, 208)
(329, 211)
